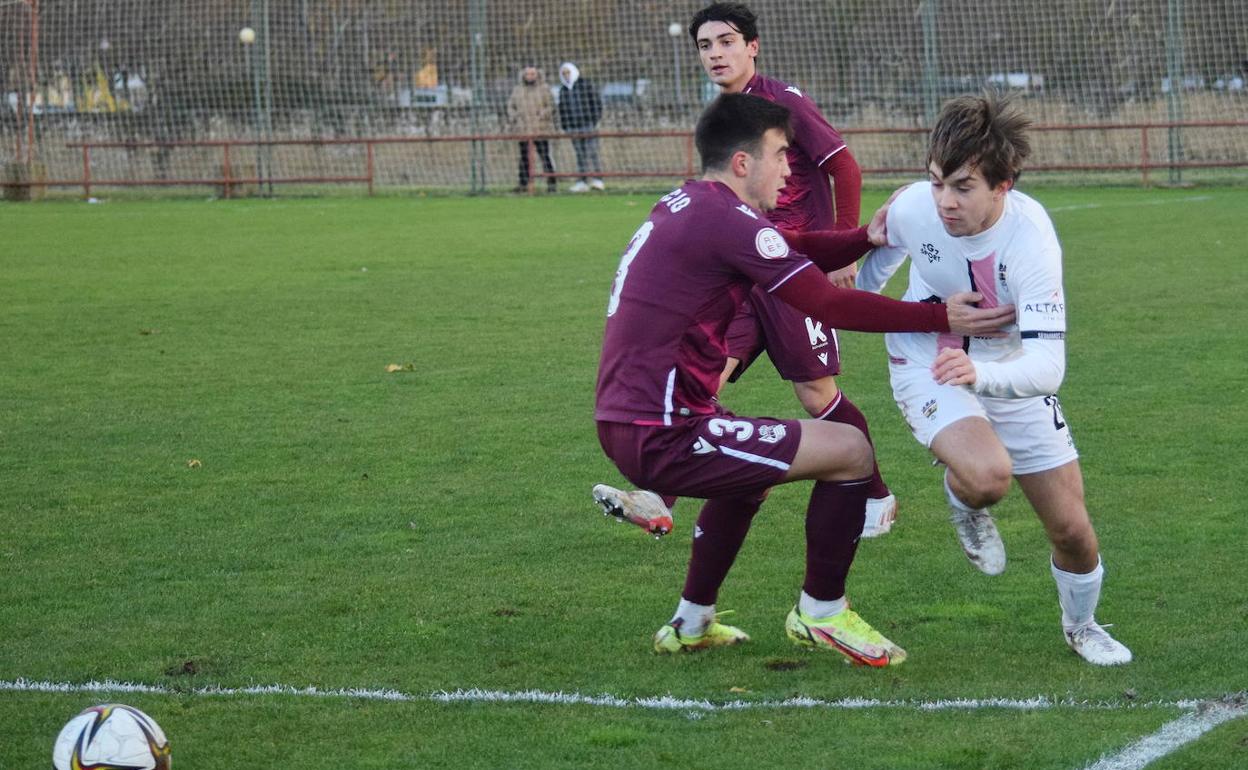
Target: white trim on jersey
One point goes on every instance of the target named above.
(789, 275)
(667, 396)
(824, 159)
(753, 458)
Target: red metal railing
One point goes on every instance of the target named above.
(229, 180)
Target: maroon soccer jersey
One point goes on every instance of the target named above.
(806, 201)
(681, 279)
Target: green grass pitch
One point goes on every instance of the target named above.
(209, 478)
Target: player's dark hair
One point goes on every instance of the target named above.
(736, 123)
(735, 15)
(987, 132)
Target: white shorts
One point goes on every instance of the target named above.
(1033, 430)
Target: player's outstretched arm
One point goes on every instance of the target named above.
(830, 249)
(862, 311)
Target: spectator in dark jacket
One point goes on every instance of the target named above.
(580, 108)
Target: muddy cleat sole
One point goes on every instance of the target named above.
(668, 640)
(881, 513)
(1094, 644)
(642, 508)
(981, 542)
(845, 633)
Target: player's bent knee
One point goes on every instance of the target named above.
(985, 484)
(832, 452)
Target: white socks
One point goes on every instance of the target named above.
(953, 499)
(816, 608)
(696, 617)
(1078, 594)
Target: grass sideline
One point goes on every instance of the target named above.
(430, 528)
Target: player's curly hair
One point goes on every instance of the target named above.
(736, 123)
(736, 15)
(987, 132)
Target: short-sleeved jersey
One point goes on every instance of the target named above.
(1016, 261)
(681, 279)
(806, 201)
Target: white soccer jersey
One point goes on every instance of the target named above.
(1016, 261)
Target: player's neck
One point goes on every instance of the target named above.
(729, 180)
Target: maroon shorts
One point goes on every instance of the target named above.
(800, 347)
(709, 456)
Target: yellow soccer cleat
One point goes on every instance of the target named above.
(846, 633)
(669, 641)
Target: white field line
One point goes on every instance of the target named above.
(1173, 735)
(1130, 204)
(662, 702)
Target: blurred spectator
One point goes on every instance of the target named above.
(530, 110)
(580, 108)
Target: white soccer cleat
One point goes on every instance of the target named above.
(597, 184)
(645, 509)
(579, 187)
(1096, 646)
(881, 513)
(980, 540)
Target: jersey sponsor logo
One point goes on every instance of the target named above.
(814, 330)
(697, 532)
(793, 90)
(771, 434)
(931, 252)
(897, 360)
(823, 358)
(771, 244)
(1046, 308)
(1043, 335)
(749, 212)
(703, 447)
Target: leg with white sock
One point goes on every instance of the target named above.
(822, 618)
(976, 477)
(1057, 497)
(718, 535)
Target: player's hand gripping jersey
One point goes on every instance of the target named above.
(1018, 260)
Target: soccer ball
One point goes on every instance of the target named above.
(111, 737)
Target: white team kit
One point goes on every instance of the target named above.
(1016, 261)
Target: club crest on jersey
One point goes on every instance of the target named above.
(931, 252)
(1001, 272)
(771, 244)
(929, 409)
(771, 434)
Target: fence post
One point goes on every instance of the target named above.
(369, 166)
(226, 170)
(476, 59)
(1174, 71)
(931, 103)
(1144, 152)
(86, 171)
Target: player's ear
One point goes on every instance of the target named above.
(740, 163)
